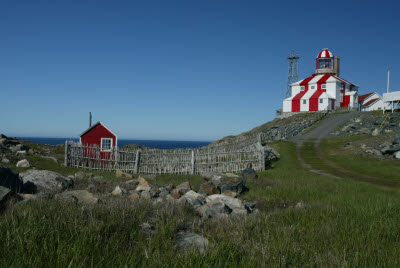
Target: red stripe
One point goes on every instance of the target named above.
(314, 100)
(296, 99)
(322, 81)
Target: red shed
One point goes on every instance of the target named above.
(99, 135)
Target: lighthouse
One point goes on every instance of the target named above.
(324, 90)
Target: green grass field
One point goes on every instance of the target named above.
(343, 222)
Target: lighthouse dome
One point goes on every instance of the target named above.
(325, 53)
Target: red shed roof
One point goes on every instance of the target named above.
(370, 102)
(93, 126)
(363, 97)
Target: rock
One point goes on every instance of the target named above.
(376, 132)
(231, 175)
(388, 131)
(5, 161)
(131, 182)
(21, 153)
(299, 205)
(250, 206)
(230, 193)
(217, 179)
(238, 212)
(208, 176)
(121, 174)
(145, 195)
(209, 189)
(191, 241)
(28, 196)
(118, 191)
(249, 173)
(229, 201)
(169, 198)
(184, 187)
(79, 196)
(134, 196)
(143, 185)
(194, 199)
(390, 149)
(4, 194)
(397, 154)
(364, 131)
(10, 179)
(23, 163)
(147, 228)
(212, 208)
(18, 147)
(235, 186)
(45, 181)
(175, 193)
(143, 188)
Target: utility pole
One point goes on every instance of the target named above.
(90, 119)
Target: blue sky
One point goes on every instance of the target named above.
(177, 70)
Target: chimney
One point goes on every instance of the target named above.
(336, 63)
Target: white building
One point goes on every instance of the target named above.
(324, 90)
(371, 102)
(392, 100)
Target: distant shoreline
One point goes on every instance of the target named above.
(159, 144)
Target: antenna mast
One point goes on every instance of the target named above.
(388, 81)
(90, 119)
(292, 72)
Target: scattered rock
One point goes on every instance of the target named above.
(176, 194)
(80, 196)
(121, 174)
(5, 161)
(4, 194)
(299, 205)
(45, 181)
(212, 208)
(194, 199)
(191, 241)
(209, 188)
(23, 163)
(234, 186)
(238, 212)
(249, 173)
(119, 191)
(376, 132)
(230, 193)
(397, 155)
(184, 187)
(229, 201)
(145, 195)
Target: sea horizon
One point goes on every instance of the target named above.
(156, 144)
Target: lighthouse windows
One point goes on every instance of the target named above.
(304, 101)
(301, 88)
(323, 86)
(321, 100)
(312, 87)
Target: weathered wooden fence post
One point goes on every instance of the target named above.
(192, 161)
(66, 151)
(136, 170)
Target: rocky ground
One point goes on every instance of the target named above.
(217, 198)
(369, 124)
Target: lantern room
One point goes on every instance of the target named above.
(326, 63)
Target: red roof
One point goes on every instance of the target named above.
(370, 102)
(363, 97)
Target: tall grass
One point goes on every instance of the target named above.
(343, 223)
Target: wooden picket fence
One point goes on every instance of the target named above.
(162, 161)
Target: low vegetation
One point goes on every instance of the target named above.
(304, 220)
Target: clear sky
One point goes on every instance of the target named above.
(180, 70)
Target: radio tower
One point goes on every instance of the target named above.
(292, 73)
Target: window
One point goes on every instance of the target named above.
(106, 144)
(323, 86)
(324, 64)
(321, 100)
(312, 87)
(304, 101)
(301, 88)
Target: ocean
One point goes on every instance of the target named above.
(158, 144)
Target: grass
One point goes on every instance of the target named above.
(343, 223)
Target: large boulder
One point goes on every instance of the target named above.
(231, 202)
(121, 174)
(23, 163)
(143, 185)
(191, 241)
(79, 196)
(4, 193)
(249, 173)
(234, 186)
(119, 191)
(209, 189)
(212, 209)
(45, 181)
(10, 179)
(194, 199)
(184, 187)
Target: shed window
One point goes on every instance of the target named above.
(106, 144)
(304, 101)
(321, 100)
(302, 88)
(323, 86)
(312, 87)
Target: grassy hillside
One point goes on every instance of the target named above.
(304, 220)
